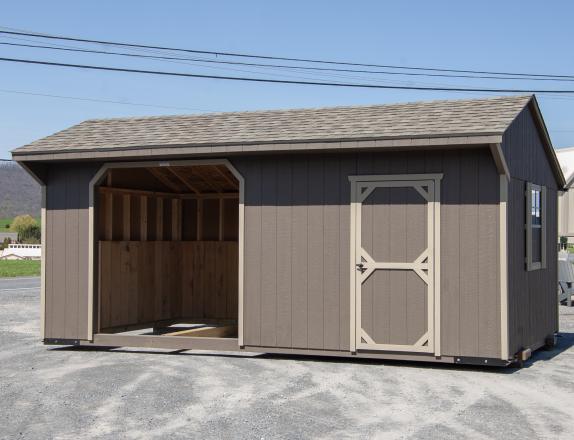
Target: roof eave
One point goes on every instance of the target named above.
(148, 151)
(554, 162)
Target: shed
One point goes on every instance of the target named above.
(384, 231)
(566, 198)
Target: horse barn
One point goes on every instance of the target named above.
(420, 231)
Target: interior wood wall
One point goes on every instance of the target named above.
(143, 282)
(146, 216)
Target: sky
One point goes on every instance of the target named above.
(515, 36)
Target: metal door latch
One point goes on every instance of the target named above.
(360, 267)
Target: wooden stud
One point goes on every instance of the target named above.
(183, 180)
(159, 176)
(222, 173)
(221, 218)
(126, 202)
(199, 220)
(176, 220)
(140, 192)
(109, 201)
(159, 219)
(209, 332)
(143, 218)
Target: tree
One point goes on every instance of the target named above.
(30, 234)
(22, 222)
(27, 228)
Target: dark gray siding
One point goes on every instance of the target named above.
(67, 202)
(532, 300)
(297, 247)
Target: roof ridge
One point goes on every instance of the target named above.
(311, 109)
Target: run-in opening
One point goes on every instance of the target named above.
(168, 251)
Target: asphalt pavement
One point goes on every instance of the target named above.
(64, 393)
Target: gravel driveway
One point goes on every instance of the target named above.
(48, 392)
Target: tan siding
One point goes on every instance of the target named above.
(315, 230)
(67, 250)
(284, 254)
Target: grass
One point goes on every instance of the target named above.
(19, 268)
(3, 223)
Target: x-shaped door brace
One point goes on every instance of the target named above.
(420, 265)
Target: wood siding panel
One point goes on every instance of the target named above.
(67, 202)
(532, 299)
(150, 284)
(319, 247)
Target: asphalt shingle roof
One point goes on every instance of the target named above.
(410, 120)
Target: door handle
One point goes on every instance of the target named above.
(360, 267)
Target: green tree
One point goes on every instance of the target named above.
(27, 228)
(22, 222)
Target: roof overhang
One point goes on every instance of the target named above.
(343, 145)
(550, 152)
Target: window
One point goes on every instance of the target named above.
(535, 227)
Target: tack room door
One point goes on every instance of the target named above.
(395, 248)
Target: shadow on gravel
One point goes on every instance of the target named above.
(565, 341)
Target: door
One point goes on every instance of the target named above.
(395, 238)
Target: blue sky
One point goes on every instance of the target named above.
(518, 36)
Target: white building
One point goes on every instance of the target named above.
(22, 252)
(566, 200)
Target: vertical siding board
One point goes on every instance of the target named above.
(450, 254)
(268, 232)
(397, 244)
(315, 252)
(347, 167)
(469, 262)
(253, 262)
(299, 254)
(284, 239)
(83, 257)
(58, 293)
(331, 253)
(71, 255)
(381, 311)
(488, 267)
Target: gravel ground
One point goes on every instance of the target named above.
(48, 392)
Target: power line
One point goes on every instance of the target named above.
(77, 98)
(278, 81)
(268, 57)
(284, 66)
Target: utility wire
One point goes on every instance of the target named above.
(77, 98)
(278, 81)
(284, 66)
(268, 57)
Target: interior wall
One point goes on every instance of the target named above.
(146, 282)
(165, 256)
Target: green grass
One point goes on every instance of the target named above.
(3, 223)
(19, 268)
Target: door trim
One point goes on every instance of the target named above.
(356, 200)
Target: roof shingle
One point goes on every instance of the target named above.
(410, 120)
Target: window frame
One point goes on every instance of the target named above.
(535, 265)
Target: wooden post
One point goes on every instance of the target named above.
(176, 220)
(159, 219)
(199, 219)
(143, 218)
(109, 216)
(126, 202)
(221, 218)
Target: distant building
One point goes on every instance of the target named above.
(566, 200)
(13, 236)
(22, 252)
